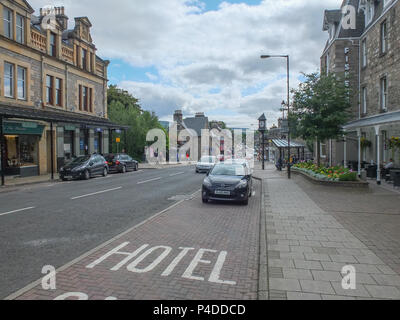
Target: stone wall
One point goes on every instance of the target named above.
(379, 65)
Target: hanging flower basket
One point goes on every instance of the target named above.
(394, 143)
(365, 143)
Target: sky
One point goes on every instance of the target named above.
(204, 55)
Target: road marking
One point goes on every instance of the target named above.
(95, 193)
(15, 211)
(176, 174)
(155, 179)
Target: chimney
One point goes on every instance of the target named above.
(178, 116)
(59, 13)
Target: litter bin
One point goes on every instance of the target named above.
(372, 172)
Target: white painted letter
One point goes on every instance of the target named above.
(133, 266)
(49, 280)
(174, 263)
(197, 259)
(215, 274)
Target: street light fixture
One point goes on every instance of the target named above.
(262, 127)
(288, 100)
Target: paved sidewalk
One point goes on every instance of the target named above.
(18, 181)
(308, 248)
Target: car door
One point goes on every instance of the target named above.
(130, 162)
(99, 165)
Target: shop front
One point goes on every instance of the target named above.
(22, 148)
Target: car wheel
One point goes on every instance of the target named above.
(245, 202)
(123, 170)
(251, 193)
(63, 179)
(86, 175)
(205, 200)
(136, 167)
(105, 172)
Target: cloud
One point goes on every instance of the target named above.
(195, 50)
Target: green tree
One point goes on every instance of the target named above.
(124, 109)
(321, 106)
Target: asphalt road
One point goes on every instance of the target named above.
(52, 224)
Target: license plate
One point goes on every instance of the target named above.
(223, 193)
(68, 177)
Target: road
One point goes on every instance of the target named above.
(52, 224)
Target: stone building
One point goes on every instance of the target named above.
(53, 90)
(370, 55)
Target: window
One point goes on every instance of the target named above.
(364, 53)
(21, 83)
(323, 150)
(20, 27)
(80, 97)
(90, 99)
(59, 92)
(327, 63)
(369, 12)
(84, 59)
(364, 100)
(85, 97)
(91, 62)
(49, 90)
(8, 23)
(53, 44)
(383, 93)
(384, 37)
(9, 80)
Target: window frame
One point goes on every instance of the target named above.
(364, 100)
(364, 53)
(58, 92)
(20, 30)
(11, 78)
(84, 55)
(24, 83)
(53, 46)
(10, 22)
(383, 37)
(383, 93)
(50, 90)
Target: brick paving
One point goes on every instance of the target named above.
(227, 268)
(308, 245)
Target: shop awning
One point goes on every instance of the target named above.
(381, 119)
(280, 143)
(50, 115)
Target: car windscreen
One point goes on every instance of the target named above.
(80, 160)
(207, 160)
(228, 170)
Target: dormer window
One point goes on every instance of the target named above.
(368, 6)
(53, 44)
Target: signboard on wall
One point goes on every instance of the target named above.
(28, 128)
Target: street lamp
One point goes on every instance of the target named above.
(288, 99)
(262, 127)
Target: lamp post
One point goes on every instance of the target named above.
(288, 99)
(262, 127)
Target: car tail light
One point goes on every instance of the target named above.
(117, 163)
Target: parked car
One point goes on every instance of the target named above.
(228, 182)
(84, 167)
(121, 162)
(205, 164)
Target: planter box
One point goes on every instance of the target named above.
(348, 184)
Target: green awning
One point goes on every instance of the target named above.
(23, 127)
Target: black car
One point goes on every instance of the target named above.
(228, 182)
(84, 167)
(121, 163)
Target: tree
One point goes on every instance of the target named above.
(124, 109)
(321, 106)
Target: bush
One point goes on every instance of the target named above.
(351, 176)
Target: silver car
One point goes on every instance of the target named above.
(205, 164)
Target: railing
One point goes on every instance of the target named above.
(67, 54)
(100, 69)
(38, 41)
